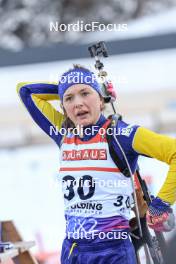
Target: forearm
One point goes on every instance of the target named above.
(168, 189)
(45, 91)
(36, 99)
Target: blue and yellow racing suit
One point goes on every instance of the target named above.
(101, 208)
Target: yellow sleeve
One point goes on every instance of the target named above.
(41, 101)
(55, 117)
(162, 148)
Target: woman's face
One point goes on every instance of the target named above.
(82, 104)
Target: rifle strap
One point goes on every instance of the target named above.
(119, 163)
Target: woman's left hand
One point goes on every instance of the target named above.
(160, 216)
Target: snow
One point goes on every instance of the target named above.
(31, 194)
(151, 25)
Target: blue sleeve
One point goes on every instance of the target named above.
(36, 99)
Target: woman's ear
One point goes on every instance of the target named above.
(102, 104)
(63, 109)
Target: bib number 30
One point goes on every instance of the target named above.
(70, 182)
(121, 200)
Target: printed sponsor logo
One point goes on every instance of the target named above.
(85, 154)
(91, 206)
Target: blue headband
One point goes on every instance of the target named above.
(77, 76)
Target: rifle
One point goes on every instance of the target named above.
(156, 244)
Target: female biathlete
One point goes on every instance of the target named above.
(97, 195)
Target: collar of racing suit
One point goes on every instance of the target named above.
(102, 119)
